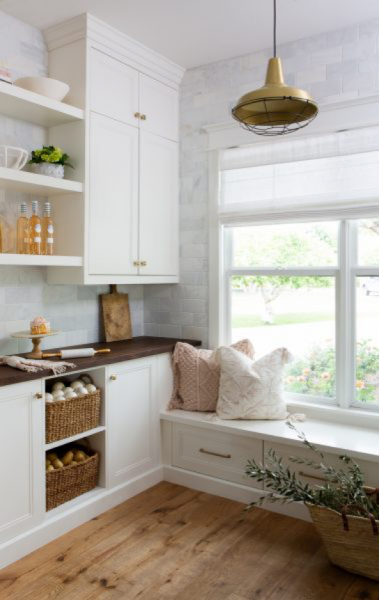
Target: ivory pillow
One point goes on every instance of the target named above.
(197, 376)
(251, 390)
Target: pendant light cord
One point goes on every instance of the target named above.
(274, 28)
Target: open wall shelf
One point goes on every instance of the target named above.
(31, 260)
(21, 104)
(31, 183)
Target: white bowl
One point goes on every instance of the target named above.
(12, 157)
(52, 88)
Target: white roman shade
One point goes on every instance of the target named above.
(337, 172)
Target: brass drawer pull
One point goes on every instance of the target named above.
(113, 378)
(318, 477)
(137, 115)
(143, 117)
(38, 396)
(136, 263)
(204, 451)
(143, 263)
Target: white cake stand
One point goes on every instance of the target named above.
(36, 341)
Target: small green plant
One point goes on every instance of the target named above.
(343, 486)
(50, 154)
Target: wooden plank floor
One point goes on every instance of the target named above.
(174, 543)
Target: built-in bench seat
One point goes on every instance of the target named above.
(210, 454)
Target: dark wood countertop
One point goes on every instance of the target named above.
(120, 351)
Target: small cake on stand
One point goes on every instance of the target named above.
(39, 329)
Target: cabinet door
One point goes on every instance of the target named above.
(158, 233)
(113, 197)
(133, 420)
(22, 468)
(159, 103)
(113, 88)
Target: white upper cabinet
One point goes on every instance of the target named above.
(159, 108)
(127, 149)
(158, 205)
(113, 197)
(113, 88)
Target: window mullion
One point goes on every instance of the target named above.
(345, 329)
(226, 334)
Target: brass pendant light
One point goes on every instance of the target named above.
(275, 108)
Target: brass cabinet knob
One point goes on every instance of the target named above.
(143, 263)
(143, 117)
(38, 396)
(113, 378)
(137, 115)
(136, 263)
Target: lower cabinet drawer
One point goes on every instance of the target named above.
(316, 477)
(215, 453)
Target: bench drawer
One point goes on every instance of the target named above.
(215, 453)
(316, 477)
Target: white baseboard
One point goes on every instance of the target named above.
(77, 512)
(58, 523)
(232, 491)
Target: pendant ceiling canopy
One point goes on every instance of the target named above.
(275, 108)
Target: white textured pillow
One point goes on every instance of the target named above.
(251, 390)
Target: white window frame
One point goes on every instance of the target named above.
(345, 115)
(344, 275)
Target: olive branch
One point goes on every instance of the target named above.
(343, 485)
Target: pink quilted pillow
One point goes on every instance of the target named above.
(197, 376)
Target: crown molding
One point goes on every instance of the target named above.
(88, 27)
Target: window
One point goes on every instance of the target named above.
(299, 260)
(288, 285)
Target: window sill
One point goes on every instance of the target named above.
(335, 414)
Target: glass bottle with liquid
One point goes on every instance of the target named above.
(22, 231)
(35, 228)
(1, 235)
(47, 231)
(7, 237)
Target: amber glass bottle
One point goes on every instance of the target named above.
(47, 231)
(22, 231)
(35, 230)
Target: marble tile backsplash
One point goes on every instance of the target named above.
(24, 292)
(335, 66)
(74, 310)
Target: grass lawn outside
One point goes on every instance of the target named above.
(242, 320)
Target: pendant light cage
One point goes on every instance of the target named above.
(276, 108)
(276, 115)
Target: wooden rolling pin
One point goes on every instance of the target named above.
(76, 353)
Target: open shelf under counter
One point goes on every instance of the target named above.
(33, 260)
(74, 438)
(31, 183)
(28, 106)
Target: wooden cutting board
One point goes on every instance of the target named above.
(116, 316)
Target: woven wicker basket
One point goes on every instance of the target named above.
(65, 418)
(66, 484)
(351, 542)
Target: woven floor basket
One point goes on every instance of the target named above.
(65, 418)
(356, 549)
(66, 484)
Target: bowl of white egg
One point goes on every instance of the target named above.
(66, 390)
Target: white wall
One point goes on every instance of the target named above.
(24, 293)
(333, 67)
